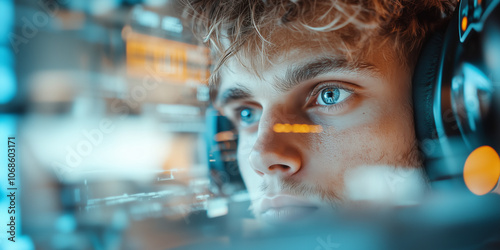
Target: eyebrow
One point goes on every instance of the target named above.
(298, 74)
(236, 93)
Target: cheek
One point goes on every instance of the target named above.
(333, 151)
(372, 140)
(252, 180)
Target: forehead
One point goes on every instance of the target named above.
(289, 62)
(288, 52)
(238, 79)
(285, 47)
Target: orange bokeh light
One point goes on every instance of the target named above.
(482, 170)
(279, 128)
(464, 23)
(296, 128)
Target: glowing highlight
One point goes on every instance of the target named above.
(464, 23)
(297, 128)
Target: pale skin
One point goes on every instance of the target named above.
(369, 123)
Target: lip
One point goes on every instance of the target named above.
(285, 208)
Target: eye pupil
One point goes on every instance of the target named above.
(330, 95)
(246, 115)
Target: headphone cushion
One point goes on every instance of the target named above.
(424, 80)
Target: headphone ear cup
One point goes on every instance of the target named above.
(424, 82)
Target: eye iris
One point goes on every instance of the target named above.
(330, 95)
(246, 115)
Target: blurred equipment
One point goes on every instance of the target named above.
(109, 99)
(222, 142)
(456, 95)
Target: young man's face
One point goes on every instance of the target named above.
(363, 108)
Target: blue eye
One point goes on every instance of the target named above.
(332, 95)
(248, 116)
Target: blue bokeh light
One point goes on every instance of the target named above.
(8, 87)
(6, 21)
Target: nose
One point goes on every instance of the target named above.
(274, 153)
(273, 163)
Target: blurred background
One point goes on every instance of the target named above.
(117, 146)
(107, 101)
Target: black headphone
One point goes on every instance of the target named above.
(455, 109)
(454, 88)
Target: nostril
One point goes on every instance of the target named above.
(279, 167)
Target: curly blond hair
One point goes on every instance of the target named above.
(260, 29)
